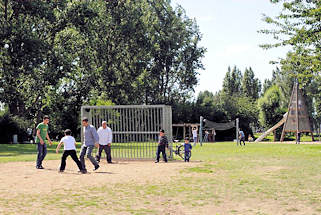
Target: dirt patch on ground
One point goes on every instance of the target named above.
(131, 188)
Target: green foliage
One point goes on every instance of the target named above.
(298, 27)
(270, 107)
(251, 86)
(56, 56)
(232, 83)
(11, 125)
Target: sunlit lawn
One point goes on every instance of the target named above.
(286, 176)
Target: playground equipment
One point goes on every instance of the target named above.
(207, 124)
(296, 119)
(135, 128)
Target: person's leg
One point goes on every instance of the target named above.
(158, 153)
(164, 154)
(39, 156)
(82, 156)
(42, 151)
(98, 155)
(73, 155)
(90, 157)
(195, 140)
(108, 154)
(188, 155)
(185, 156)
(63, 161)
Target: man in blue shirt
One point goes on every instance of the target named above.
(242, 137)
(91, 139)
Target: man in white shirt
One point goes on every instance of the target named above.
(105, 139)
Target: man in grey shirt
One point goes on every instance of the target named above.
(91, 140)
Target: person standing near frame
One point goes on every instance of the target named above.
(105, 139)
(162, 145)
(91, 139)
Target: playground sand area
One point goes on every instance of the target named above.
(131, 187)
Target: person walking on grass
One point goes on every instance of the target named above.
(162, 144)
(105, 139)
(69, 149)
(41, 136)
(91, 140)
(187, 149)
(242, 137)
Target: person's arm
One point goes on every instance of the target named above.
(166, 142)
(58, 147)
(39, 136)
(48, 138)
(96, 137)
(110, 137)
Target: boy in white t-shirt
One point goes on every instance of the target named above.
(69, 149)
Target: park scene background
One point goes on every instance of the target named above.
(56, 56)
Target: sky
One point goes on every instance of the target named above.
(229, 29)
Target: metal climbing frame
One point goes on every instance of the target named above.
(135, 127)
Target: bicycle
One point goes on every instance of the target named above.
(180, 150)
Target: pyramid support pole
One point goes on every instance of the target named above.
(297, 112)
(287, 117)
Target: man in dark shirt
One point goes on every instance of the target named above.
(162, 143)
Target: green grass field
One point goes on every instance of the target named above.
(290, 137)
(259, 178)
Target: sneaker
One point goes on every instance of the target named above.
(61, 171)
(96, 167)
(156, 161)
(83, 171)
(39, 167)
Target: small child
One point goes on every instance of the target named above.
(69, 149)
(187, 148)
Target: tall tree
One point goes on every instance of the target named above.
(232, 83)
(251, 86)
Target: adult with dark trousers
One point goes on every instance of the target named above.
(242, 137)
(105, 139)
(41, 136)
(91, 140)
(162, 144)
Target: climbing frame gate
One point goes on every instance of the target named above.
(135, 127)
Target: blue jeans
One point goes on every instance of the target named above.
(42, 152)
(161, 149)
(87, 150)
(187, 156)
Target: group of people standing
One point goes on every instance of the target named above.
(101, 139)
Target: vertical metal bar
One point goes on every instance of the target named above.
(297, 112)
(81, 127)
(237, 131)
(201, 131)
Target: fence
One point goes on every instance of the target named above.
(135, 127)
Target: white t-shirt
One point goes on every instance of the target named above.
(69, 142)
(194, 133)
(105, 135)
